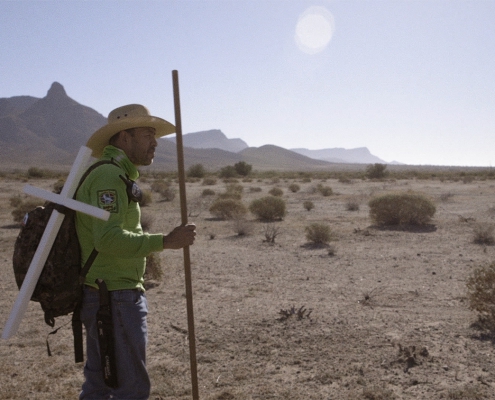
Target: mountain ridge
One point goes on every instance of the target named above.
(48, 131)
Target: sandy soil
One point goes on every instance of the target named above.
(386, 315)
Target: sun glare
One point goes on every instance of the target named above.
(314, 30)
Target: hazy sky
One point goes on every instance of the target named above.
(414, 81)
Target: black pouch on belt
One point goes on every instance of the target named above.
(105, 336)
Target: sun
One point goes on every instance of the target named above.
(314, 30)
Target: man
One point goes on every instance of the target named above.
(129, 140)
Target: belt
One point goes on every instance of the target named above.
(93, 289)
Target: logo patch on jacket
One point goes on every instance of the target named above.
(107, 200)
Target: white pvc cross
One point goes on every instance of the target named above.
(49, 235)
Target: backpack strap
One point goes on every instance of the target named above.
(76, 315)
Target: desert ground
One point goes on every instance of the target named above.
(384, 312)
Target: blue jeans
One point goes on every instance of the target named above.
(129, 310)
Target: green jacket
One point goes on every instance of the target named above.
(120, 241)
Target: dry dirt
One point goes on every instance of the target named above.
(389, 317)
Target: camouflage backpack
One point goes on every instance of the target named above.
(59, 287)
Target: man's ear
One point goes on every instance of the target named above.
(121, 140)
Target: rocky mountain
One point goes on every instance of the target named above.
(49, 131)
(360, 155)
(212, 139)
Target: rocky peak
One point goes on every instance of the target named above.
(56, 90)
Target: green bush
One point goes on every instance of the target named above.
(243, 168)
(376, 171)
(408, 208)
(352, 205)
(153, 274)
(308, 205)
(269, 208)
(35, 172)
(324, 190)
(22, 207)
(318, 233)
(276, 192)
(196, 171)
(232, 191)
(166, 192)
(208, 192)
(481, 294)
(483, 234)
(294, 187)
(146, 199)
(228, 209)
(227, 172)
(209, 181)
(159, 185)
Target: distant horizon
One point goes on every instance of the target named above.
(393, 162)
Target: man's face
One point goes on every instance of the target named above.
(142, 144)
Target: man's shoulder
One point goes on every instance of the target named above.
(104, 167)
(102, 171)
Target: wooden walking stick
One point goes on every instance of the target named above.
(187, 259)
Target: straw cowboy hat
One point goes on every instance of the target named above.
(127, 117)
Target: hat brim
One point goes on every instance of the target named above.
(99, 140)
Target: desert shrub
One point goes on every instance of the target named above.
(318, 233)
(35, 172)
(242, 168)
(15, 201)
(269, 208)
(146, 221)
(234, 188)
(196, 171)
(166, 192)
(376, 171)
(23, 207)
(230, 180)
(154, 271)
(378, 393)
(407, 208)
(58, 186)
(324, 190)
(146, 199)
(468, 392)
(168, 195)
(232, 191)
(294, 187)
(208, 192)
(192, 180)
(242, 227)
(228, 209)
(276, 192)
(446, 196)
(227, 172)
(209, 181)
(308, 205)
(271, 231)
(159, 185)
(255, 189)
(481, 294)
(483, 234)
(352, 205)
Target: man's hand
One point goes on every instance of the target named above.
(180, 237)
